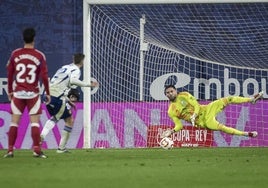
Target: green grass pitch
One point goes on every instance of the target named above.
(138, 168)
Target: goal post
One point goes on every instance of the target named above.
(133, 48)
(143, 49)
(86, 73)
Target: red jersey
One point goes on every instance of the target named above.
(24, 69)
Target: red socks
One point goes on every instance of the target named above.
(36, 139)
(12, 136)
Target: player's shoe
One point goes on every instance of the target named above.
(9, 155)
(40, 155)
(257, 97)
(64, 150)
(253, 134)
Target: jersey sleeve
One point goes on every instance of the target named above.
(10, 74)
(192, 100)
(74, 79)
(177, 122)
(77, 82)
(44, 76)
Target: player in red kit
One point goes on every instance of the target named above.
(26, 66)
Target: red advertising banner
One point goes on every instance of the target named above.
(131, 125)
(189, 136)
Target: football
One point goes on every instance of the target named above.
(166, 143)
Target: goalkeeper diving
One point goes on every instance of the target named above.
(184, 106)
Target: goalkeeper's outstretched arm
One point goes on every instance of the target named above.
(178, 126)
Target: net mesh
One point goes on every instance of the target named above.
(210, 50)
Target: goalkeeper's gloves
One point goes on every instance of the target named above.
(192, 118)
(167, 133)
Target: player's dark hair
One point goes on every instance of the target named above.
(28, 35)
(78, 57)
(169, 86)
(74, 92)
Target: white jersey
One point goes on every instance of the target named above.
(60, 83)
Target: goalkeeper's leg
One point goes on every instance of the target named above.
(215, 125)
(238, 100)
(230, 130)
(213, 108)
(235, 100)
(217, 106)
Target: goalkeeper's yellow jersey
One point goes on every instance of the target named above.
(184, 106)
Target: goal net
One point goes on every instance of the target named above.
(212, 50)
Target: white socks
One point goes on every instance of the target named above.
(48, 127)
(65, 136)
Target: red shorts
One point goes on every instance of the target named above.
(33, 105)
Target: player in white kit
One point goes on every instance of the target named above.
(63, 95)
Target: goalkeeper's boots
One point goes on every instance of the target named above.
(40, 155)
(257, 97)
(9, 155)
(64, 150)
(253, 134)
